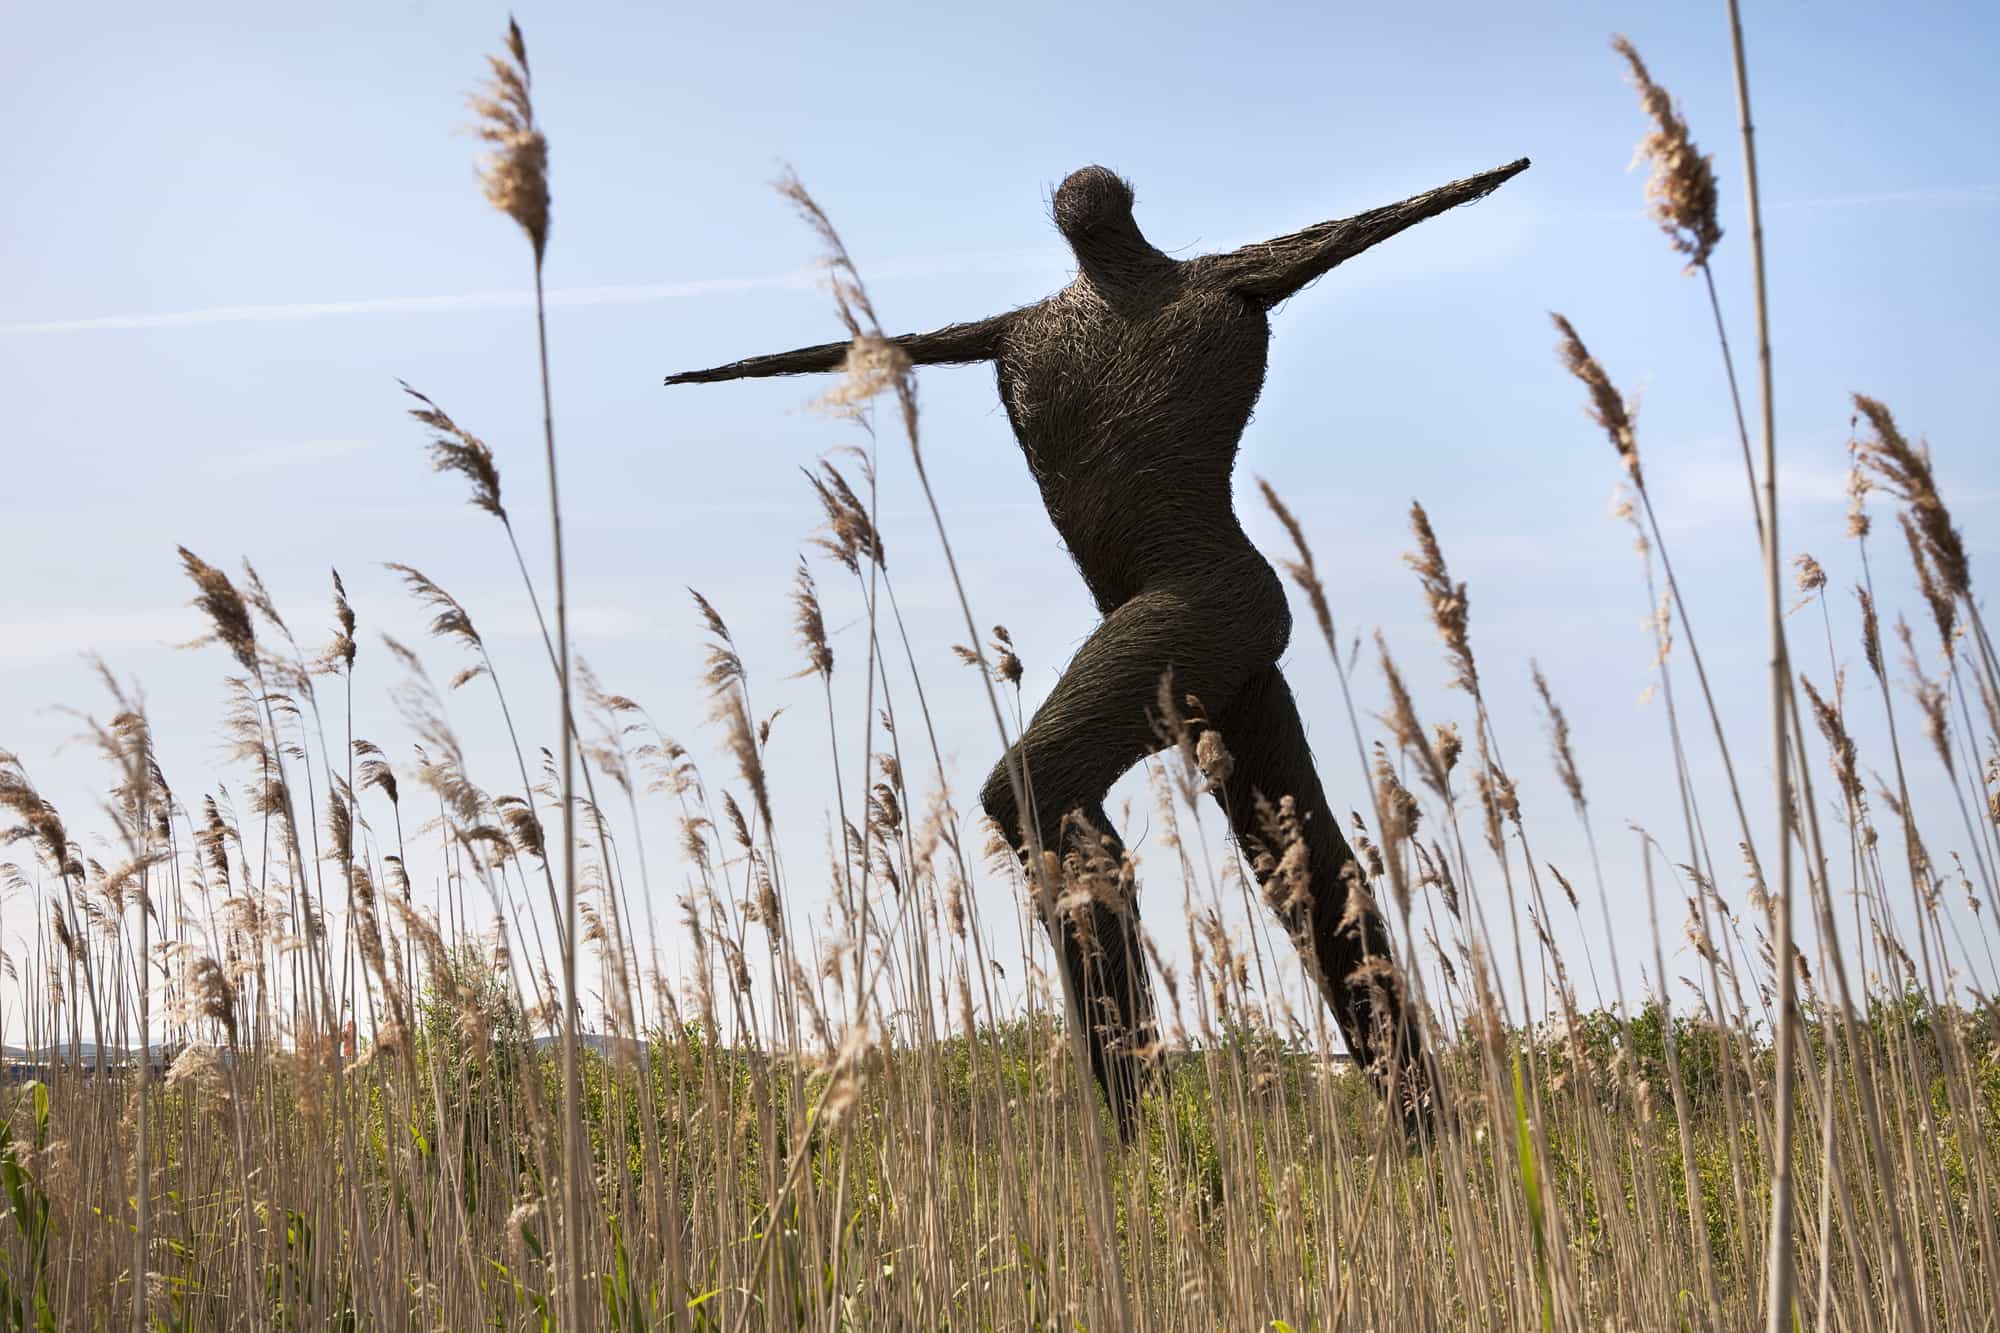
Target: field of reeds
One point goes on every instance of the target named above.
(401, 1045)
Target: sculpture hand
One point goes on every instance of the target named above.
(1273, 270)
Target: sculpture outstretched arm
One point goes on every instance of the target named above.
(954, 344)
(1273, 270)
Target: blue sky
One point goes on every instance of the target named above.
(233, 229)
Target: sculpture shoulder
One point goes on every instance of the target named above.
(1220, 275)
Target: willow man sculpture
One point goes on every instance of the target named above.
(1129, 390)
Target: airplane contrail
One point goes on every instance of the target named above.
(616, 294)
(643, 292)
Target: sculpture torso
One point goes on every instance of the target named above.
(1129, 391)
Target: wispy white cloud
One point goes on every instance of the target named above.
(972, 261)
(638, 293)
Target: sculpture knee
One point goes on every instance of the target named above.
(1053, 792)
(1266, 612)
(997, 799)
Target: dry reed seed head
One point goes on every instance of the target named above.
(1448, 602)
(810, 625)
(454, 449)
(1810, 577)
(737, 823)
(1435, 870)
(1569, 890)
(1284, 864)
(1680, 194)
(873, 365)
(1992, 801)
(1905, 469)
(1301, 570)
(1408, 733)
(850, 535)
(1006, 664)
(451, 620)
(1931, 699)
(1559, 747)
(199, 1069)
(376, 773)
(515, 175)
(213, 995)
(1871, 632)
(340, 827)
(1858, 486)
(1213, 759)
(849, 294)
(1449, 745)
(1400, 811)
(524, 826)
(40, 823)
(885, 816)
(1496, 803)
(342, 649)
(1943, 606)
(227, 615)
(1607, 409)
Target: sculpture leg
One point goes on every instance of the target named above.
(1095, 725)
(1270, 759)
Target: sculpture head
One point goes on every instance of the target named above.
(1094, 202)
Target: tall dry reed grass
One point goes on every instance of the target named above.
(374, 1106)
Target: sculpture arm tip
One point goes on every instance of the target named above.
(954, 344)
(803, 361)
(1276, 269)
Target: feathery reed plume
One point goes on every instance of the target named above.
(1871, 632)
(212, 839)
(1680, 194)
(524, 827)
(724, 677)
(1559, 750)
(850, 294)
(1937, 595)
(1447, 600)
(1007, 667)
(1607, 409)
(223, 605)
(1401, 719)
(1905, 469)
(260, 600)
(1931, 699)
(374, 770)
(451, 621)
(214, 995)
(455, 449)
(40, 823)
(810, 625)
(850, 536)
(1858, 486)
(515, 175)
(1302, 570)
(1840, 746)
(342, 649)
(1810, 576)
